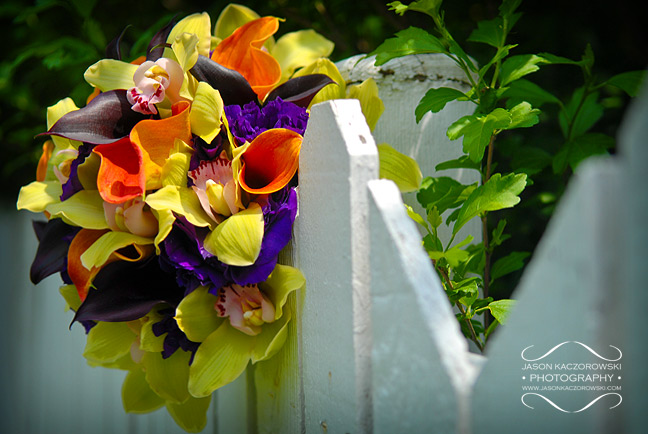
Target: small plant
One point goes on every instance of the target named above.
(504, 101)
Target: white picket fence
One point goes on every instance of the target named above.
(374, 346)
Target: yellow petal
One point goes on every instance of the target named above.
(237, 241)
(137, 396)
(37, 196)
(185, 49)
(298, 49)
(191, 415)
(206, 110)
(180, 200)
(196, 315)
(400, 168)
(168, 377)
(219, 360)
(84, 209)
(371, 105)
(111, 74)
(200, 25)
(100, 251)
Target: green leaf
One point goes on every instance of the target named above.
(498, 193)
(416, 217)
(463, 162)
(501, 309)
(525, 90)
(469, 288)
(443, 192)
(516, 67)
(137, 395)
(501, 53)
(168, 377)
(430, 7)
(433, 217)
(576, 151)
(409, 41)
(432, 243)
(629, 82)
(477, 132)
(508, 264)
(580, 114)
(191, 415)
(435, 99)
(488, 32)
(558, 60)
(400, 168)
(523, 116)
(530, 160)
(498, 236)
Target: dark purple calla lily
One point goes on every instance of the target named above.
(106, 119)
(54, 239)
(156, 46)
(126, 291)
(113, 49)
(233, 87)
(300, 90)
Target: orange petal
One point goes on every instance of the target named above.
(270, 161)
(41, 170)
(81, 276)
(121, 173)
(242, 52)
(156, 137)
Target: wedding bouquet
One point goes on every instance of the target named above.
(169, 196)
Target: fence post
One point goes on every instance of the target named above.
(338, 157)
(422, 373)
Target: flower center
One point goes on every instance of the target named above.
(246, 306)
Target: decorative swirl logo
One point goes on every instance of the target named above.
(567, 411)
(568, 342)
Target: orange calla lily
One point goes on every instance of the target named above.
(121, 175)
(81, 276)
(242, 52)
(156, 137)
(270, 161)
(41, 170)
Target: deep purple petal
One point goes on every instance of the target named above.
(51, 256)
(126, 291)
(249, 121)
(155, 48)
(300, 90)
(73, 185)
(233, 87)
(106, 119)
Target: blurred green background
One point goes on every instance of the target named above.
(48, 44)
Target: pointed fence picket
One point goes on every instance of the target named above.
(373, 345)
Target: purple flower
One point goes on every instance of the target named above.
(249, 121)
(194, 266)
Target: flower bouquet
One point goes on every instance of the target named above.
(169, 196)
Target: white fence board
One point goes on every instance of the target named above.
(337, 159)
(421, 370)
